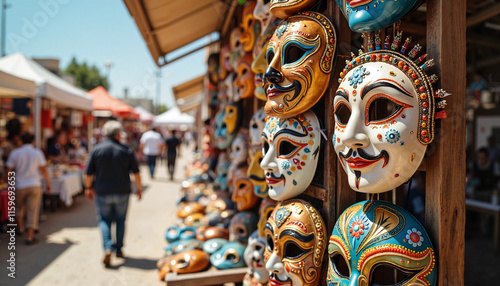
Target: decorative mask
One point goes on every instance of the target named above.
(225, 58)
(194, 220)
(255, 172)
(188, 261)
(221, 219)
(371, 15)
(175, 233)
(239, 148)
(384, 111)
(243, 190)
(300, 59)
(181, 245)
(229, 256)
(266, 208)
(244, 81)
(172, 234)
(286, 8)
(262, 14)
(295, 234)
(290, 148)
(230, 93)
(250, 26)
(236, 46)
(375, 233)
(259, 64)
(228, 123)
(209, 232)
(212, 245)
(219, 205)
(222, 169)
(189, 209)
(257, 124)
(242, 225)
(254, 257)
(213, 68)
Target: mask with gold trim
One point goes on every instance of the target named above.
(242, 225)
(229, 256)
(188, 261)
(254, 258)
(295, 235)
(300, 57)
(243, 190)
(244, 82)
(205, 233)
(286, 8)
(290, 149)
(266, 208)
(250, 26)
(255, 172)
(374, 235)
(189, 209)
(212, 245)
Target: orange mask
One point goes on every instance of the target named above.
(244, 81)
(286, 8)
(243, 190)
(250, 26)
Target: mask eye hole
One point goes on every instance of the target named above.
(340, 266)
(255, 126)
(244, 71)
(223, 125)
(380, 272)
(286, 148)
(231, 257)
(270, 243)
(342, 114)
(265, 148)
(292, 250)
(293, 54)
(382, 109)
(258, 247)
(269, 56)
(266, 1)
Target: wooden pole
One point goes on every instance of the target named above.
(445, 184)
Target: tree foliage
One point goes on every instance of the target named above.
(162, 108)
(86, 77)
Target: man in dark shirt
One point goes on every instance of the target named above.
(110, 164)
(173, 144)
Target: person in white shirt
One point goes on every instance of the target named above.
(151, 146)
(26, 163)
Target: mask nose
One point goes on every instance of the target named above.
(274, 264)
(355, 135)
(269, 163)
(272, 75)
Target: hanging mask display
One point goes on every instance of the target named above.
(286, 8)
(242, 225)
(254, 259)
(229, 89)
(236, 47)
(239, 148)
(225, 62)
(255, 172)
(300, 58)
(188, 261)
(243, 190)
(370, 234)
(266, 208)
(229, 256)
(189, 209)
(250, 26)
(296, 238)
(291, 150)
(257, 124)
(262, 14)
(212, 245)
(213, 69)
(222, 169)
(244, 82)
(209, 232)
(384, 116)
(227, 124)
(371, 15)
(259, 63)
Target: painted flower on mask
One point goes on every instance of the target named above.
(358, 76)
(358, 227)
(414, 237)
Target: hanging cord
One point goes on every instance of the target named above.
(322, 131)
(408, 193)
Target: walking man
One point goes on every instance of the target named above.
(28, 162)
(110, 165)
(151, 145)
(173, 145)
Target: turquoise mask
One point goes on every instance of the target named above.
(212, 245)
(229, 256)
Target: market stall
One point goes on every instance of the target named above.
(173, 118)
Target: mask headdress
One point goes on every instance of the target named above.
(431, 102)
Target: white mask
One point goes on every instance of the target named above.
(254, 257)
(257, 124)
(239, 148)
(378, 148)
(290, 150)
(262, 14)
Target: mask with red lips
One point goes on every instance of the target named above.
(254, 258)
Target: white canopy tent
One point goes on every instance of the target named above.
(48, 86)
(174, 118)
(144, 115)
(13, 86)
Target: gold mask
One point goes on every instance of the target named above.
(256, 173)
(286, 8)
(300, 59)
(266, 208)
(189, 209)
(250, 26)
(188, 261)
(244, 81)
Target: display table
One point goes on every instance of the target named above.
(210, 277)
(486, 207)
(65, 187)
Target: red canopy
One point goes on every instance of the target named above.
(102, 100)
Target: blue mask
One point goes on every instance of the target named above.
(229, 256)
(242, 225)
(181, 245)
(212, 245)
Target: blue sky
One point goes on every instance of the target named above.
(95, 31)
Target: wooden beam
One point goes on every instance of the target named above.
(229, 17)
(445, 176)
(412, 28)
(483, 41)
(483, 15)
(210, 277)
(483, 64)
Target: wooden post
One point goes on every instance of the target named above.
(445, 187)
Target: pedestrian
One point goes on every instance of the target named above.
(173, 150)
(151, 145)
(25, 164)
(108, 168)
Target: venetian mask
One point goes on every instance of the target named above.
(295, 235)
(242, 225)
(250, 26)
(255, 172)
(257, 124)
(371, 15)
(236, 47)
(291, 150)
(188, 261)
(212, 245)
(371, 236)
(189, 209)
(262, 14)
(286, 8)
(243, 190)
(222, 169)
(239, 148)
(254, 257)
(259, 63)
(181, 245)
(266, 208)
(244, 82)
(229, 256)
(300, 59)
(209, 232)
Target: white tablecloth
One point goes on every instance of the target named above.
(67, 186)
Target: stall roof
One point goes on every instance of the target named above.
(173, 117)
(13, 86)
(189, 95)
(169, 25)
(102, 100)
(49, 85)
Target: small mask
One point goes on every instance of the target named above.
(250, 26)
(222, 169)
(219, 205)
(254, 257)
(239, 148)
(227, 123)
(300, 57)
(243, 190)
(262, 14)
(286, 8)
(181, 245)
(189, 209)
(222, 219)
(209, 232)
(371, 15)
(188, 261)
(290, 149)
(213, 69)
(370, 234)
(257, 124)
(194, 220)
(255, 172)
(242, 225)
(229, 256)
(266, 208)
(225, 59)
(244, 81)
(295, 234)
(236, 47)
(212, 245)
